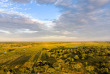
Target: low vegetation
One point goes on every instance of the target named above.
(55, 58)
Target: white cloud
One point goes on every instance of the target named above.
(14, 21)
(4, 31)
(45, 1)
(25, 31)
(5, 3)
(21, 1)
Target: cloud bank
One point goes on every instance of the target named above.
(79, 20)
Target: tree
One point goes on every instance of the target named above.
(89, 68)
(76, 57)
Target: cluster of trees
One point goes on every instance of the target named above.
(82, 59)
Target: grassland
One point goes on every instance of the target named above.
(55, 57)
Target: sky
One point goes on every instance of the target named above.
(54, 20)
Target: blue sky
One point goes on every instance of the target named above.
(54, 20)
(41, 12)
(37, 11)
